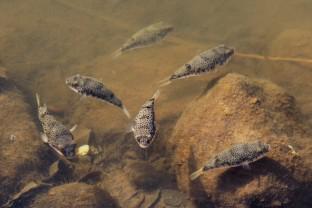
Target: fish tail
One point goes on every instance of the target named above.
(197, 173)
(156, 95)
(124, 109)
(164, 82)
(117, 53)
(38, 99)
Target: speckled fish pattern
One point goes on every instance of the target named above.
(94, 88)
(58, 135)
(238, 155)
(145, 37)
(89, 86)
(55, 133)
(144, 128)
(205, 62)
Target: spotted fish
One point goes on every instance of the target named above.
(203, 63)
(55, 134)
(145, 37)
(238, 155)
(89, 86)
(144, 127)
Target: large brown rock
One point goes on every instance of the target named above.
(74, 195)
(237, 110)
(20, 144)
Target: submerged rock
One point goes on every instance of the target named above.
(21, 160)
(74, 195)
(144, 176)
(238, 110)
(17, 200)
(134, 189)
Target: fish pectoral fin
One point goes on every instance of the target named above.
(196, 174)
(156, 95)
(126, 112)
(117, 53)
(130, 126)
(157, 126)
(73, 128)
(164, 82)
(38, 99)
(44, 137)
(246, 166)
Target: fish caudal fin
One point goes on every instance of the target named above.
(117, 53)
(164, 82)
(126, 112)
(196, 174)
(156, 95)
(38, 100)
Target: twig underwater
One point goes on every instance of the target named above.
(273, 58)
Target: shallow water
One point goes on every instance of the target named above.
(44, 41)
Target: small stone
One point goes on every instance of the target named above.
(83, 150)
(276, 203)
(172, 198)
(254, 100)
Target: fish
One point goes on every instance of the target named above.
(238, 155)
(145, 37)
(203, 63)
(55, 134)
(92, 87)
(144, 126)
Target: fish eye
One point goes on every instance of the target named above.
(188, 67)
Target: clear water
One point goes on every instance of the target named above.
(44, 41)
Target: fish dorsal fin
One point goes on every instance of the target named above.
(126, 112)
(156, 95)
(73, 128)
(38, 99)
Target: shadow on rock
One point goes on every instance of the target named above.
(210, 85)
(108, 149)
(236, 177)
(74, 195)
(6, 85)
(144, 176)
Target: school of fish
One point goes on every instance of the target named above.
(144, 127)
